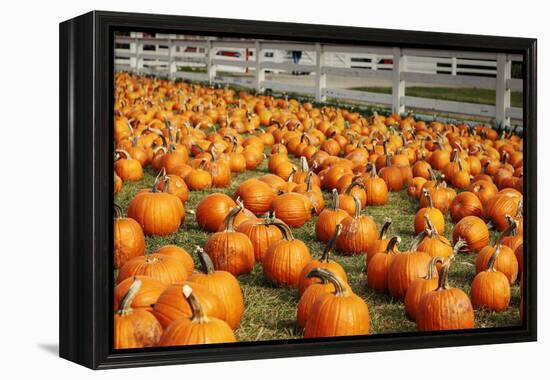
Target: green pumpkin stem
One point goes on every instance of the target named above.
(285, 229)
(123, 152)
(331, 243)
(428, 196)
(392, 244)
(432, 267)
(125, 305)
(304, 167)
(207, 266)
(493, 259)
(385, 228)
(339, 289)
(357, 207)
(198, 315)
(350, 187)
(335, 200)
(230, 218)
(119, 213)
(443, 283)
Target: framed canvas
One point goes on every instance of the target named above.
(235, 189)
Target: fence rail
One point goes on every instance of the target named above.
(246, 62)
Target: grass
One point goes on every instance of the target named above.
(270, 312)
(468, 94)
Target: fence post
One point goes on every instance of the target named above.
(210, 67)
(171, 63)
(139, 63)
(453, 65)
(260, 73)
(374, 62)
(398, 85)
(504, 72)
(321, 77)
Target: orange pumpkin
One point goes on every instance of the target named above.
(128, 238)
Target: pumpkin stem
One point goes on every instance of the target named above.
(442, 283)
(335, 200)
(357, 207)
(161, 175)
(119, 214)
(373, 171)
(330, 245)
(198, 313)
(392, 244)
(428, 196)
(493, 259)
(203, 163)
(519, 212)
(125, 305)
(309, 181)
(304, 167)
(352, 185)
(417, 240)
(430, 228)
(207, 266)
(230, 218)
(432, 267)
(385, 228)
(433, 176)
(123, 152)
(339, 289)
(285, 229)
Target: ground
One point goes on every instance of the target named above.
(270, 312)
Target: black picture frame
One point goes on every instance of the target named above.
(86, 114)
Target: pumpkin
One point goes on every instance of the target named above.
(224, 285)
(499, 206)
(338, 313)
(375, 187)
(346, 201)
(420, 287)
(506, 261)
(510, 236)
(219, 170)
(434, 214)
(179, 253)
(176, 186)
(135, 328)
(379, 265)
(285, 259)
(379, 245)
(128, 238)
(158, 213)
(406, 267)
(117, 183)
(485, 190)
(465, 204)
(212, 210)
(148, 293)
(414, 189)
(329, 218)
(358, 232)
(197, 329)
(474, 231)
(323, 262)
(166, 269)
(444, 308)
(432, 243)
(199, 178)
(262, 233)
(392, 176)
(313, 192)
(491, 288)
(127, 168)
(320, 285)
(293, 208)
(256, 195)
(230, 250)
(171, 305)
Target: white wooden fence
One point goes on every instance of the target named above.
(217, 61)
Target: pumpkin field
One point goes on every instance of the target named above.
(242, 217)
